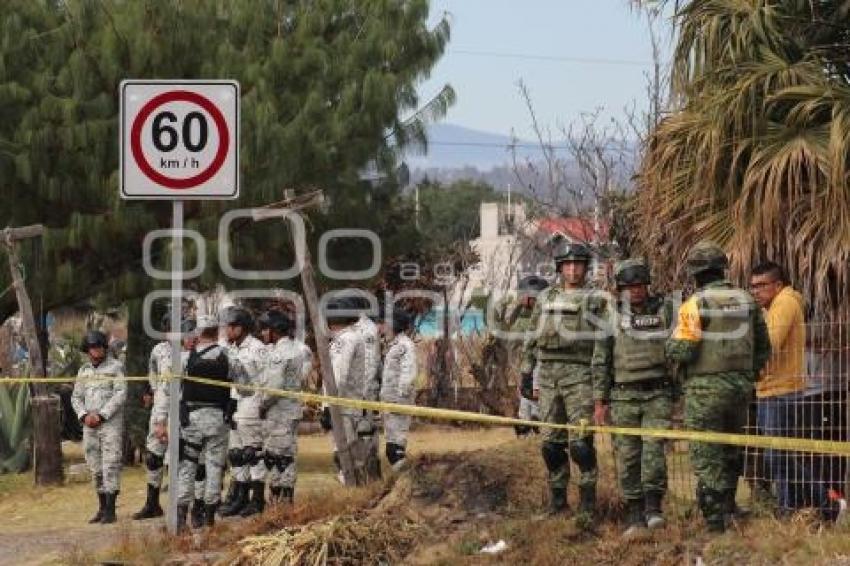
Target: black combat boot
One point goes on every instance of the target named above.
(258, 500)
(209, 514)
(109, 509)
(182, 513)
(654, 514)
(197, 513)
(152, 507)
(713, 506)
(558, 501)
(587, 499)
(101, 501)
(231, 495)
(240, 499)
(275, 494)
(288, 494)
(635, 523)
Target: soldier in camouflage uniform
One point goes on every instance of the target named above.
(159, 368)
(721, 341)
(518, 322)
(563, 346)
(246, 441)
(203, 427)
(348, 359)
(284, 370)
(98, 402)
(630, 376)
(398, 384)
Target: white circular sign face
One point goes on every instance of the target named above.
(179, 140)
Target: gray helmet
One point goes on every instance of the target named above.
(343, 308)
(402, 320)
(632, 271)
(706, 256)
(275, 320)
(187, 325)
(237, 316)
(532, 284)
(572, 252)
(93, 339)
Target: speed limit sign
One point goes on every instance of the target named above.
(179, 139)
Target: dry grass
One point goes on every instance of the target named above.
(465, 489)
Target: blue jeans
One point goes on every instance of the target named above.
(783, 415)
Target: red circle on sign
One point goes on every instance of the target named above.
(136, 139)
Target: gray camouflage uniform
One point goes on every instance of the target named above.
(398, 386)
(105, 397)
(348, 358)
(249, 357)
(205, 435)
(284, 370)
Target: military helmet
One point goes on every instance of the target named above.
(275, 320)
(343, 308)
(93, 339)
(569, 251)
(532, 283)
(705, 256)
(402, 320)
(237, 316)
(633, 271)
(187, 325)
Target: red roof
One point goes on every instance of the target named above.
(580, 229)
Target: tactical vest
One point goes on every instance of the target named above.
(217, 369)
(639, 341)
(566, 334)
(726, 344)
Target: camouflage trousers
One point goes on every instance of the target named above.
(396, 428)
(717, 466)
(103, 448)
(641, 462)
(528, 410)
(158, 448)
(206, 433)
(249, 432)
(362, 440)
(281, 449)
(566, 397)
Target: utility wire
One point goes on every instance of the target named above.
(557, 58)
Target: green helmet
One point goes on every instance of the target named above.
(571, 252)
(704, 256)
(633, 271)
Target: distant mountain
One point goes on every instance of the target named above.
(453, 147)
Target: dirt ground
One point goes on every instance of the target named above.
(49, 525)
(465, 489)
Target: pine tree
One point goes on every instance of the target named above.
(325, 88)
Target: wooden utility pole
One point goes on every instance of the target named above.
(308, 281)
(47, 452)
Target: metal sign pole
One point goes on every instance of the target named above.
(176, 363)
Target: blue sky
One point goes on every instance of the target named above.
(484, 32)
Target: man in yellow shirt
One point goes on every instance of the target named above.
(780, 385)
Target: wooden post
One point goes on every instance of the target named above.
(46, 420)
(308, 281)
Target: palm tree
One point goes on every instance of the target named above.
(755, 152)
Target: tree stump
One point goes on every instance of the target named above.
(47, 451)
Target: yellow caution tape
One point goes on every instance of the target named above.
(766, 442)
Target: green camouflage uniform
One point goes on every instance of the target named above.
(721, 364)
(630, 373)
(563, 348)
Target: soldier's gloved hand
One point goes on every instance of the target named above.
(600, 413)
(526, 387)
(264, 412)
